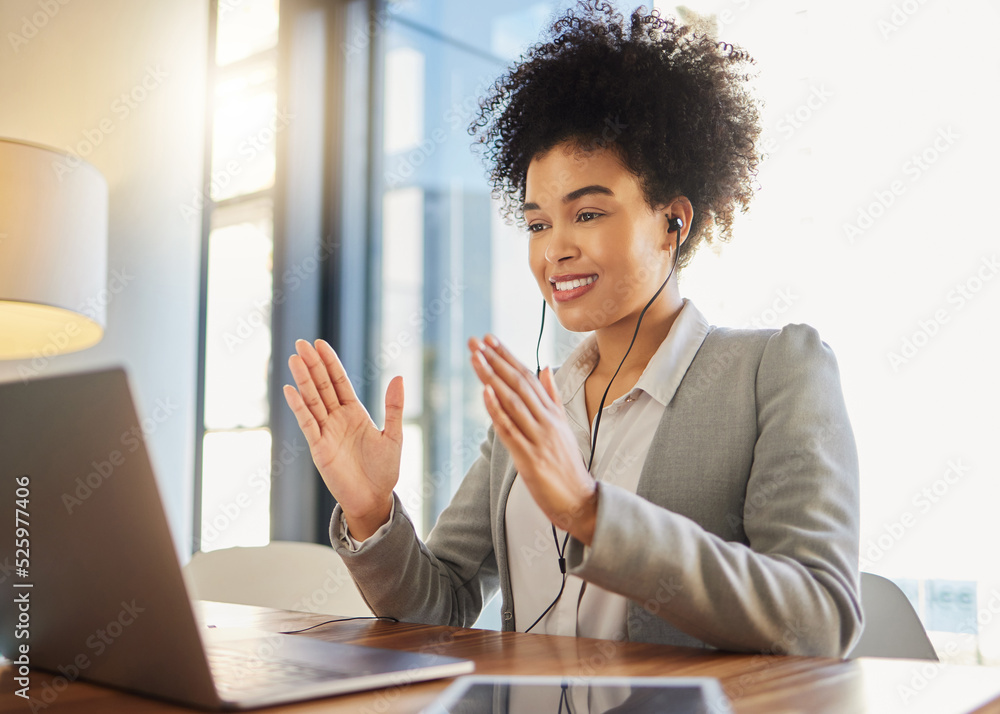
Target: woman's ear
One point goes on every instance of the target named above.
(679, 213)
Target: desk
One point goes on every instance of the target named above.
(756, 684)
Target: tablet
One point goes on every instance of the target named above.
(582, 695)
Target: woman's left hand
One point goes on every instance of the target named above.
(529, 418)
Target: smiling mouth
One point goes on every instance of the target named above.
(565, 285)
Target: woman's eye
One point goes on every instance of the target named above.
(588, 216)
(536, 227)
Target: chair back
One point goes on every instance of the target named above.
(307, 577)
(892, 628)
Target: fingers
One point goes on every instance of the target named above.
(307, 389)
(307, 423)
(336, 372)
(516, 376)
(549, 384)
(510, 434)
(510, 403)
(323, 385)
(515, 389)
(394, 410)
(324, 370)
(508, 357)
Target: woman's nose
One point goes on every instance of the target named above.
(561, 245)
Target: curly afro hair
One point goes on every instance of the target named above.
(674, 104)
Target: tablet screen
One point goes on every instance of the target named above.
(595, 695)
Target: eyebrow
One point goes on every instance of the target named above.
(573, 195)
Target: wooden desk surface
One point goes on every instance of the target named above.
(755, 684)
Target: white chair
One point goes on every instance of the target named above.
(892, 628)
(307, 577)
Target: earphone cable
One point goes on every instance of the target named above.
(561, 549)
(538, 345)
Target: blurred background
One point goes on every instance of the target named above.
(302, 169)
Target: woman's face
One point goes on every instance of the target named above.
(598, 251)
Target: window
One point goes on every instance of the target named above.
(235, 449)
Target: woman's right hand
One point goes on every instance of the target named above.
(358, 463)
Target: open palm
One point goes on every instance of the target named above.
(358, 463)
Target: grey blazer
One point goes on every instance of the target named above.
(742, 535)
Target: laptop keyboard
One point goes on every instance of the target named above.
(236, 671)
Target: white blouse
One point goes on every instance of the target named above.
(627, 428)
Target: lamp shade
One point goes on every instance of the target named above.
(53, 252)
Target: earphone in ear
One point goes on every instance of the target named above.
(675, 225)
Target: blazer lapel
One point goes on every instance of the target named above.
(659, 447)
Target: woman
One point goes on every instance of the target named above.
(714, 501)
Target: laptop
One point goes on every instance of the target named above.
(97, 584)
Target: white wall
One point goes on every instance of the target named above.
(128, 76)
(886, 110)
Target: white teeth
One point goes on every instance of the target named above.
(578, 283)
